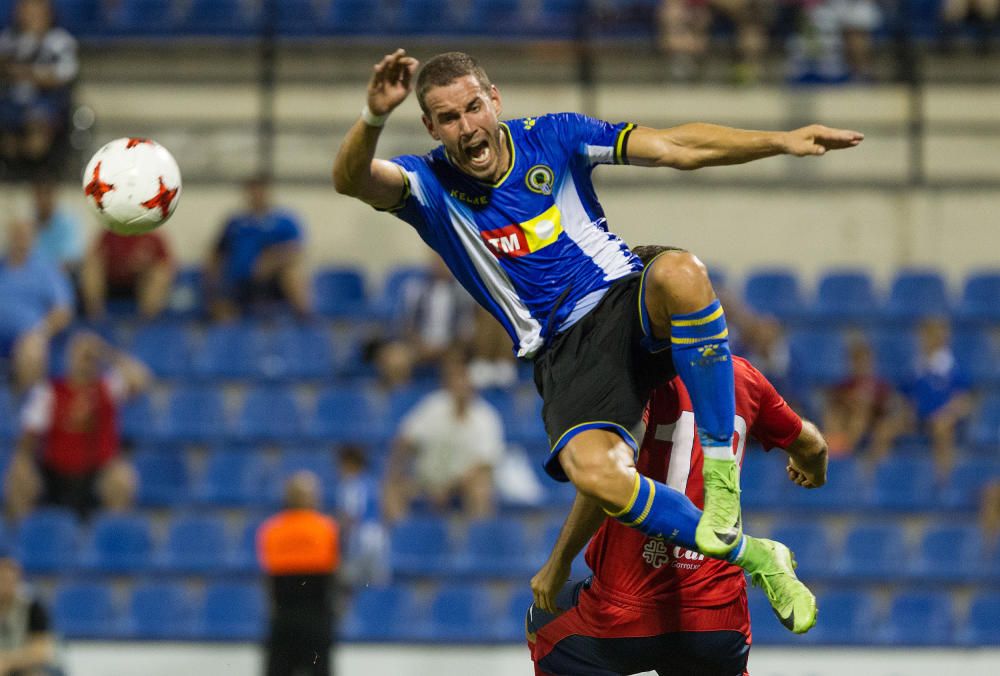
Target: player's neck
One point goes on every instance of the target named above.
(503, 165)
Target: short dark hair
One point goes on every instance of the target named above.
(647, 252)
(443, 69)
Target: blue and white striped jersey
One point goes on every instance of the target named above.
(533, 248)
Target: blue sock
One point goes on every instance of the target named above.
(658, 510)
(701, 356)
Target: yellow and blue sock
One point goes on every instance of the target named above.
(658, 510)
(701, 356)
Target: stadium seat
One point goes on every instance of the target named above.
(847, 488)
(160, 610)
(818, 356)
(232, 351)
(419, 547)
(527, 427)
(560, 19)
(846, 618)
(918, 618)
(873, 552)
(195, 544)
(845, 295)
(48, 541)
(187, 297)
(966, 482)
(389, 305)
(9, 426)
(774, 292)
(319, 461)
(984, 429)
(810, 543)
(425, 17)
(86, 610)
(270, 414)
(164, 478)
(767, 629)
(225, 18)
(233, 611)
(948, 553)
(298, 18)
(355, 17)
(243, 557)
(461, 612)
(380, 614)
(489, 16)
(905, 484)
(917, 293)
(164, 347)
(119, 544)
(762, 481)
(138, 419)
(300, 352)
(133, 18)
(348, 414)
(981, 297)
(82, 18)
(511, 625)
(232, 477)
(499, 548)
(980, 627)
(895, 353)
(194, 414)
(975, 355)
(340, 293)
(402, 401)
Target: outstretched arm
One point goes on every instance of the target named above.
(356, 172)
(583, 520)
(697, 145)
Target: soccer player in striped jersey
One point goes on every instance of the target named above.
(655, 604)
(511, 209)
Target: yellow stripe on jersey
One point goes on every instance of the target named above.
(543, 229)
(620, 144)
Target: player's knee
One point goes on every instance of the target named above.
(679, 276)
(595, 472)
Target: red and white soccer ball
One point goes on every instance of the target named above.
(133, 184)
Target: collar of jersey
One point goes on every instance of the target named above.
(513, 158)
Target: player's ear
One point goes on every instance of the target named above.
(495, 98)
(430, 127)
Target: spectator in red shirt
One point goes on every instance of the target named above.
(137, 267)
(69, 450)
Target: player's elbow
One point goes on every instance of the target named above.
(343, 184)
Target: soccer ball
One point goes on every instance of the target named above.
(133, 184)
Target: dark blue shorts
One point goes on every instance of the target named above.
(683, 653)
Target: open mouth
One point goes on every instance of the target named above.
(479, 153)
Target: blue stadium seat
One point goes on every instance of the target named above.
(195, 544)
(847, 488)
(232, 477)
(895, 353)
(243, 557)
(305, 352)
(918, 293)
(187, 298)
(164, 478)
(948, 553)
(233, 611)
(132, 18)
(810, 544)
(389, 305)
(846, 618)
(194, 414)
(298, 18)
(425, 17)
(873, 552)
(905, 484)
(225, 18)
(767, 629)
(461, 613)
(318, 460)
(980, 628)
(82, 18)
(966, 482)
(559, 19)
(984, 429)
(270, 414)
(119, 544)
(380, 614)
(48, 541)
(165, 347)
(85, 610)
(419, 547)
(774, 292)
(975, 355)
(491, 16)
(160, 610)
(527, 427)
(845, 294)
(402, 401)
(762, 481)
(138, 419)
(9, 426)
(511, 625)
(340, 293)
(348, 414)
(981, 297)
(499, 548)
(818, 356)
(919, 618)
(232, 351)
(355, 17)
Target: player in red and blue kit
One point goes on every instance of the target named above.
(652, 605)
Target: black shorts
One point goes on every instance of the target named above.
(599, 373)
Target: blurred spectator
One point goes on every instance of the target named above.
(366, 545)
(138, 268)
(27, 643)
(990, 513)
(394, 364)
(69, 450)
(36, 302)
(58, 231)
(258, 258)
(767, 347)
(864, 408)
(685, 32)
(437, 314)
(299, 550)
(980, 14)
(38, 64)
(834, 41)
(939, 392)
(447, 448)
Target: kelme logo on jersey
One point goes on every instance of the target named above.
(521, 239)
(540, 179)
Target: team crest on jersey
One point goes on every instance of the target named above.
(540, 179)
(521, 239)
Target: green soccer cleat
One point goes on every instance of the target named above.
(720, 526)
(772, 568)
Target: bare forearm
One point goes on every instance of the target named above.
(352, 167)
(583, 520)
(56, 321)
(707, 145)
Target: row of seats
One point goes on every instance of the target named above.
(478, 613)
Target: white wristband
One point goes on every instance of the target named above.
(371, 119)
